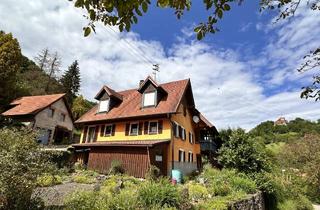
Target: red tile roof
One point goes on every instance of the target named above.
(131, 104)
(31, 104)
(123, 143)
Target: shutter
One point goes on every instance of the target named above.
(102, 130)
(140, 128)
(185, 134)
(180, 131)
(113, 129)
(174, 128)
(85, 131)
(160, 124)
(127, 129)
(146, 125)
(190, 138)
(96, 134)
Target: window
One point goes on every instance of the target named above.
(181, 155)
(91, 134)
(176, 129)
(134, 128)
(108, 130)
(191, 138)
(183, 133)
(190, 157)
(153, 127)
(104, 106)
(50, 112)
(62, 117)
(149, 99)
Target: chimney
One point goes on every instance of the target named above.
(140, 82)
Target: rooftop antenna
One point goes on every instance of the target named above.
(155, 69)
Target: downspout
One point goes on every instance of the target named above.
(172, 145)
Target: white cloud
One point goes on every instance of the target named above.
(224, 88)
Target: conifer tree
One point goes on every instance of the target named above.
(71, 81)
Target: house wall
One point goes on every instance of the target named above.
(42, 120)
(120, 132)
(177, 144)
(134, 160)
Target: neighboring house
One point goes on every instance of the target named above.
(49, 114)
(281, 121)
(152, 125)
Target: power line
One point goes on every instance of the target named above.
(136, 49)
(133, 53)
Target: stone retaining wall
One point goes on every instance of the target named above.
(253, 202)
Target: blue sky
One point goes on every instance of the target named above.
(240, 76)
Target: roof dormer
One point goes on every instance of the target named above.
(152, 93)
(108, 98)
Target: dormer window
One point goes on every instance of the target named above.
(149, 99)
(104, 106)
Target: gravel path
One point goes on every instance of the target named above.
(54, 196)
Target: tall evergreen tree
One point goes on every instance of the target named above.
(71, 81)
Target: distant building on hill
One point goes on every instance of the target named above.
(281, 121)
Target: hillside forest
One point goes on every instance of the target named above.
(22, 76)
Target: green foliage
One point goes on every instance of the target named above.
(80, 106)
(83, 179)
(10, 60)
(116, 168)
(47, 180)
(161, 193)
(243, 153)
(197, 191)
(224, 182)
(21, 163)
(60, 158)
(83, 200)
(218, 203)
(304, 155)
(71, 81)
(153, 173)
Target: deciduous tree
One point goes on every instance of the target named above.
(10, 61)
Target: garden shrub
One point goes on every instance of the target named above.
(116, 168)
(197, 191)
(153, 173)
(125, 199)
(84, 200)
(60, 158)
(21, 163)
(47, 180)
(243, 184)
(218, 203)
(160, 192)
(79, 178)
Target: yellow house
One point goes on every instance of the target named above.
(155, 124)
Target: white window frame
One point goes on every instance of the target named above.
(154, 99)
(190, 153)
(107, 108)
(157, 127)
(105, 128)
(94, 133)
(177, 129)
(183, 156)
(191, 140)
(130, 134)
(183, 133)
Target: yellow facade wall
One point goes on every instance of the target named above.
(121, 128)
(187, 123)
